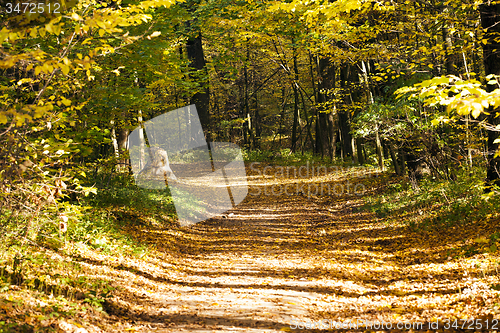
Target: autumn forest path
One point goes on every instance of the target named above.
(277, 261)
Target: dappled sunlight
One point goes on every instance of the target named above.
(274, 259)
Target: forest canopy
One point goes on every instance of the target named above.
(410, 84)
(408, 88)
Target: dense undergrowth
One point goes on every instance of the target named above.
(42, 280)
(458, 206)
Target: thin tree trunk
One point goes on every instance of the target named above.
(142, 142)
(347, 75)
(402, 161)
(295, 118)
(448, 50)
(256, 139)
(113, 140)
(332, 130)
(308, 124)
(122, 141)
(395, 162)
(325, 123)
(296, 101)
(378, 145)
(490, 20)
(196, 56)
(359, 148)
(384, 149)
(247, 130)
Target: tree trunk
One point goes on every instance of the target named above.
(142, 142)
(359, 148)
(490, 21)
(448, 50)
(345, 129)
(122, 141)
(256, 124)
(332, 130)
(384, 149)
(319, 135)
(378, 145)
(114, 141)
(402, 161)
(308, 123)
(325, 123)
(348, 76)
(354, 150)
(201, 99)
(247, 126)
(395, 162)
(295, 102)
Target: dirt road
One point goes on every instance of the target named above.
(279, 262)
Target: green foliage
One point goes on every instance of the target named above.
(465, 97)
(285, 157)
(435, 204)
(393, 120)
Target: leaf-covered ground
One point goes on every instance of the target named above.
(278, 262)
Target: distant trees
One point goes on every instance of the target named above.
(304, 75)
(490, 22)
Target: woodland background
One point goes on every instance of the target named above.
(408, 87)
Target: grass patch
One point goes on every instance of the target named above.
(43, 280)
(444, 203)
(457, 207)
(285, 157)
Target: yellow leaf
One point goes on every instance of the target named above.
(64, 69)
(463, 108)
(477, 108)
(13, 36)
(66, 102)
(47, 68)
(481, 240)
(23, 81)
(3, 34)
(3, 118)
(155, 34)
(38, 69)
(57, 29)
(101, 32)
(79, 55)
